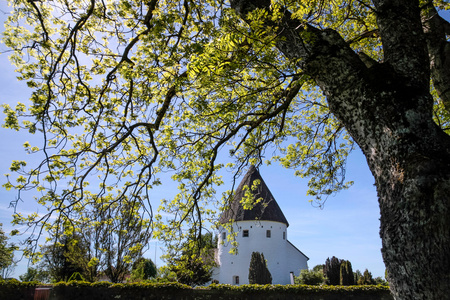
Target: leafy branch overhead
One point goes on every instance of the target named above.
(124, 91)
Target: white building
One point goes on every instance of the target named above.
(263, 229)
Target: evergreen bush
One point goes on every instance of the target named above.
(346, 276)
(258, 272)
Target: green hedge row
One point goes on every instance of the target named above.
(14, 289)
(300, 288)
(245, 287)
(147, 285)
(136, 291)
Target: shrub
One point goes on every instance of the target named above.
(310, 277)
(143, 269)
(366, 279)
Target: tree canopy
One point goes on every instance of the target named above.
(126, 90)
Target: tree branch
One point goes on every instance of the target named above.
(399, 24)
(436, 30)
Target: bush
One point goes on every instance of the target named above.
(310, 277)
(366, 279)
(143, 269)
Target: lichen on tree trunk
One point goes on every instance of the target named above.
(387, 108)
(414, 198)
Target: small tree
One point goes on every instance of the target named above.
(332, 270)
(338, 272)
(310, 277)
(6, 255)
(193, 261)
(380, 281)
(366, 278)
(356, 276)
(62, 259)
(35, 274)
(165, 274)
(191, 270)
(143, 269)
(346, 271)
(258, 272)
(318, 268)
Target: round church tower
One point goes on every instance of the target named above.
(263, 229)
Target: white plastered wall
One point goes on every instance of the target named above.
(281, 256)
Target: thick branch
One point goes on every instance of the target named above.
(399, 24)
(322, 54)
(436, 30)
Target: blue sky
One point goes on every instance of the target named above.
(347, 227)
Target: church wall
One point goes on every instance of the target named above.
(297, 260)
(275, 248)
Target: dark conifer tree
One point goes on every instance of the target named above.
(258, 272)
(332, 270)
(366, 279)
(346, 273)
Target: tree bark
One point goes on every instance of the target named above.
(436, 31)
(387, 109)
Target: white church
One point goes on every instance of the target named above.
(262, 229)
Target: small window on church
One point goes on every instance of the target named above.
(235, 279)
(268, 233)
(245, 233)
(284, 235)
(224, 236)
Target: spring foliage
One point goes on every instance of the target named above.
(143, 269)
(310, 277)
(124, 91)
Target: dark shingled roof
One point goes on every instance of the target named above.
(266, 210)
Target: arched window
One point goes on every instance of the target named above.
(236, 280)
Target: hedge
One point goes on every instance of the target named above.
(76, 290)
(14, 289)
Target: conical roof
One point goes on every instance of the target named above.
(265, 210)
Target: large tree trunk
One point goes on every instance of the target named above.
(414, 196)
(409, 157)
(387, 109)
(410, 161)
